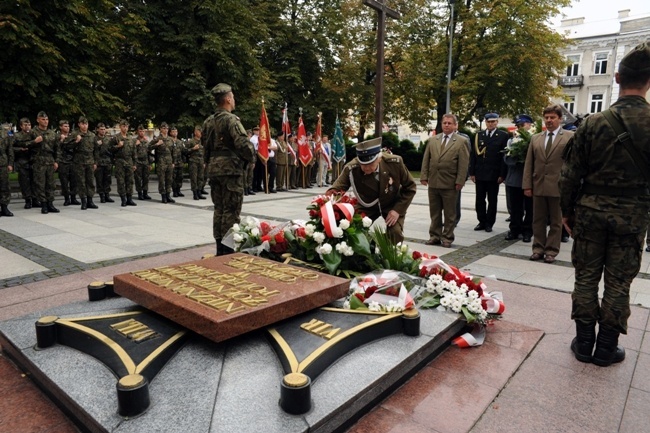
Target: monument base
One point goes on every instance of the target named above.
(222, 387)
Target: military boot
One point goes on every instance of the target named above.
(66, 200)
(129, 200)
(73, 200)
(219, 248)
(44, 208)
(51, 208)
(250, 191)
(175, 193)
(169, 199)
(84, 203)
(203, 191)
(5, 211)
(200, 195)
(140, 195)
(145, 195)
(178, 191)
(164, 197)
(108, 199)
(608, 351)
(195, 195)
(102, 197)
(92, 205)
(582, 345)
(36, 203)
(123, 198)
(28, 203)
(245, 191)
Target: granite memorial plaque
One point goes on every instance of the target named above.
(226, 296)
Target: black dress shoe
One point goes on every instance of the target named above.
(488, 229)
(272, 191)
(479, 226)
(511, 236)
(565, 239)
(527, 238)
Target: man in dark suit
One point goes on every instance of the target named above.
(487, 170)
(444, 171)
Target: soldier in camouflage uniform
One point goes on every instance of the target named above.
(164, 162)
(227, 153)
(66, 166)
(605, 202)
(178, 156)
(86, 154)
(6, 167)
(22, 161)
(45, 150)
(142, 164)
(194, 150)
(124, 155)
(104, 165)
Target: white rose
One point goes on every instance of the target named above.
(310, 229)
(236, 228)
(237, 237)
(344, 224)
(255, 231)
(367, 222)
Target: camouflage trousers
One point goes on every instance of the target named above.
(84, 174)
(24, 170)
(5, 191)
(142, 176)
(196, 175)
(606, 244)
(227, 193)
(124, 177)
(103, 178)
(43, 186)
(165, 173)
(66, 177)
(177, 177)
(249, 171)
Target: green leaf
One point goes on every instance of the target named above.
(356, 304)
(332, 261)
(359, 243)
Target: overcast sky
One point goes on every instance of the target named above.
(598, 10)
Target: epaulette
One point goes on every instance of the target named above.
(391, 158)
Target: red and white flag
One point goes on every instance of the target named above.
(264, 140)
(304, 151)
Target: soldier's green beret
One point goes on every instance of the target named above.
(221, 88)
(637, 60)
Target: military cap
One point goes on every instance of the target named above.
(82, 119)
(522, 118)
(637, 60)
(164, 125)
(41, 114)
(491, 116)
(63, 122)
(368, 151)
(221, 88)
(124, 122)
(256, 128)
(569, 127)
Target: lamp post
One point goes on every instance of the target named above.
(451, 44)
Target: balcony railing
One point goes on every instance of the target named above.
(570, 81)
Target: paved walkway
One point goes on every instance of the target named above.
(523, 379)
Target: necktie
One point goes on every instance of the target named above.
(549, 143)
(444, 142)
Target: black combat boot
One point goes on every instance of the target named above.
(28, 203)
(73, 200)
(51, 208)
(174, 193)
(203, 191)
(108, 199)
(5, 211)
(36, 203)
(102, 197)
(164, 197)
(178, 191)
(245, 191)
(129, 200)
(582, 345)
(195, 194)
(92, 205)
(169, 199)
(219, 248)
(44, 208)
(84, 203)
(200, 195)
(145, 195)
(66, 200)
(250, 191)
(140, 195)
(123, 198)
(608, 351)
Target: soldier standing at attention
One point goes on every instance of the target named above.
(605, 202)
(104, 165)
(382, 185)
(45, 154)
(164, 162)
(66, 166)
(124, 153)
(86, 154)
(228, 151)
(178, 153)
(142, 164)
(281, 159)
(22, 162)
(194, 150)
(6, 167)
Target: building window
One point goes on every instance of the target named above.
(570, 105)
(596, 104)
(600, 66)
(574, 63)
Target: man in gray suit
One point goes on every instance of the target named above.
(444, 171)
(540, 181)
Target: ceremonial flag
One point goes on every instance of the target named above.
(338, 143)
(319, 142)
(286, 130)
(264, 139)
(303, 146)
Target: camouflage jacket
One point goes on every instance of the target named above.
(66, 144)
(21, 144)
(86, 151)
(227, 147)
(141, 151)
(104, 151)
(6, 150)
(177, 151)
(47, 151)
(194, 156)
(125, 154)
(163, 150)
(595, 158)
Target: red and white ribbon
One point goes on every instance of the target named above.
(470, 339)
(329, 221)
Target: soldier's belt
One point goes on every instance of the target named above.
(614, 190)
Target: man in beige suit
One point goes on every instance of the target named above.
(541, 176)
(444, 171)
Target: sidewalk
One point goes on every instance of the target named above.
(523, 379)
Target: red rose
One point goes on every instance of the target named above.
(279, 237)
(265, 227)
(416, 255)
(359, 296)
(449, 276)
(320, 201)
(424, 272)
(313, 213)
(300, 232)
(266, 238)
(369, 291)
